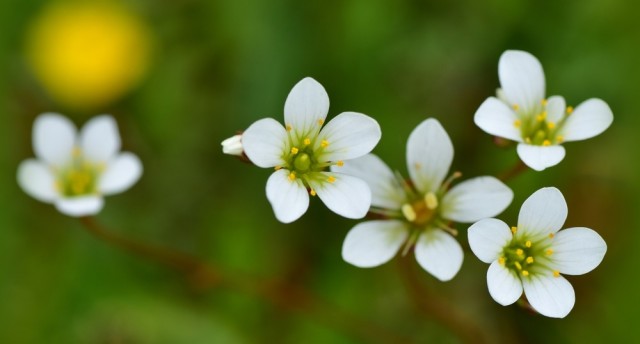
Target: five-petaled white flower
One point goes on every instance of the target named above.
(74, 170)
(303, 149)
(522, 113)
(419, 211)
(533, 255)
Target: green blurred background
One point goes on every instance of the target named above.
(214, 67)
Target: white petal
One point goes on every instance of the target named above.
(265, 142)
(373, 243)
(120, 174)
(349, 135)
(476, 199)
(550, 296)
(487, 239)
(36, 179)
(504, 286)
(346, 196)
(99, 139)
(439, 253)
(233, 145)
(54, 137)
(577, 251)
(522, 79)
(306, 106)
(429, 155)
(80, 206)
(288, 198)
(496, 118)
(540, 157)
(386, 192)
(556, 108)
(589, 119)
(544, 212)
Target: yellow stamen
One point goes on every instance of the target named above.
(528, 243)
(294, 150)
(519, 252)
(320, 121)
(525, 273)
(289, 127)
(518, 266)
(546, 143)
(431, 200)
(548, 252)
(277, 167)
(529, 260)
(551, 125)
(324, 143)
(312, 192)
(292, 176)
(569, 110)
(516, 107)
(340, 163)
(544, 102)
(517, 123)
(551, 235)
(331, 179)
(307, 141)
(514, 229)
(556, 273)
(409, 213)
(559, 138)
(501, 260)
(541, 117)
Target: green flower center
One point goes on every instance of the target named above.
(525, 256)
(536, 128)
(79, 178)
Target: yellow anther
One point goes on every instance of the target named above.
(292, 176)
(294, 150)
(289, 127)
(569, 110)
(548, 252)
(320, 121)
(529, 260)
(501, 260)
(517, 123)
(516, 107)
(340, 163)
(519, 252)
(518, 266)
(551, 235)
(546, 143)
(312, 192)
(431, 200)
(527, 140)
(528, 243)
(409, 213)
(514, 229)
(525, 273)
(417, 165)
(307, 141)
(544, 102)
(541, 117)
(331, 179)
(556, 273)
(551, 125)
(277, 167)
(324, 143)
(559, 138)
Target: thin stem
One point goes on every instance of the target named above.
(437, 309)
(281, 294)
(513, 172)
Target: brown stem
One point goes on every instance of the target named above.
(285, 296)
(437, 309)
(513, 172)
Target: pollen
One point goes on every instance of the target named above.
(528, 243)
(529, 260)
(340, 163)
(546, 143)
(331, 179)
(516, 107)
(525, 273)
(541, 117)
(312, 192)
(517, 123)
(551, 125)
(431, 201)
(556, 273)
(514, 229)
(548, 252)
(294, 150)
(518, 266)
(559, 138)
(324, 143)
(501, 260)
(409, 213)
(289, 127)
(320, 121)
(569, 110)
(292, 176)
(519, 252)
(551, 235)
(307, 141)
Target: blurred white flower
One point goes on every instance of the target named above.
(522, 113)
(233, 145)
(303, 149)
(419, 211)
(533, 255)
(74, 170)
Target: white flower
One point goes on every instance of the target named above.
(419, 211)
(522, 113)
(74, 170)
(533, 255)
(233, 145)
(303, 149)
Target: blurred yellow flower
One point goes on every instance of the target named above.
(87, 54)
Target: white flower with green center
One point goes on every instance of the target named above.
(522, 113)
(533, 255)
(418, 212)
(303, 150)
(75, 170)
